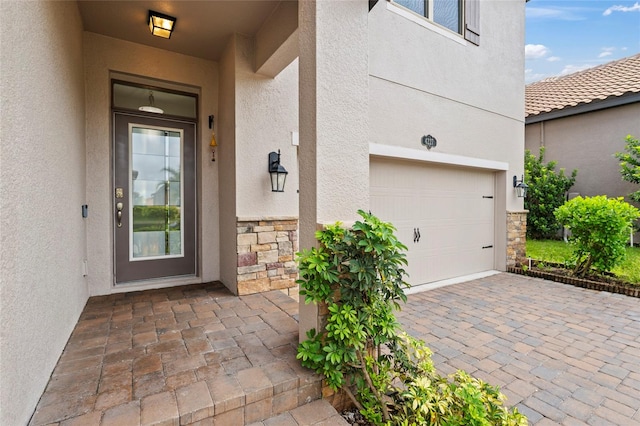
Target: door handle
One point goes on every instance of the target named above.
(119, 207)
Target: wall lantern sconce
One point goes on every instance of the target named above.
(161, 25)
(213, 144)
(277, 172)
(520, 186)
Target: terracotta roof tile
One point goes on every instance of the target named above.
(612, 79)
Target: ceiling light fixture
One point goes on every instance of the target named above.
(161, 25)
(152, 106)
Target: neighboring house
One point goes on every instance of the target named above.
(345, 93)
(582, 120)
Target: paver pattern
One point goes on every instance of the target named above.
(561, 354)
(185, 355)
(199, 355)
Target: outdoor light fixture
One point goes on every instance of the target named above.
(152, 106)
(277, 172)
(520, 186)
(161, 25)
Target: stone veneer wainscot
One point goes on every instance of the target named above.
(516, 237)
(266, 247)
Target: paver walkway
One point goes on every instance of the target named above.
(185, 355)
(561, 354)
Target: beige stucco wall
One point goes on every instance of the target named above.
(587, 142)
(334, 160)
(104, 56)
(470, 98)
(425, 80)
(42, 177)
(266, 114)
(257, 116)
(334, 145)
(227, 161)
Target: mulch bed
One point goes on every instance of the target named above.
(560, 274)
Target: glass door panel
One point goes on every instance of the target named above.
(154, 198)
(156, 158)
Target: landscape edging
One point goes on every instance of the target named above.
(578, 282)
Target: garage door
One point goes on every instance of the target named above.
(444, 215)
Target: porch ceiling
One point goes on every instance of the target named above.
(202, 27)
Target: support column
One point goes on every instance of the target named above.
(516, 237)
(334, 96)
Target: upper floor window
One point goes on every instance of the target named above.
(460, 16)
(447, 13)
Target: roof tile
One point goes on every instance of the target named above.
(604, 81)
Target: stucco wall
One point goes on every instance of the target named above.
(266, 114)
(470, 98)
(333, 90)
(42, 178)
(227, 161)
(103, 56)
(587, 142)
(257, 116)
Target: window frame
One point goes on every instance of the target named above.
(428, 7)
(469, 21)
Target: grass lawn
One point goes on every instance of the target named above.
(559, 252)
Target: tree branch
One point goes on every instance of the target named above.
(383, 405)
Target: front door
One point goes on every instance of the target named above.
(154, 198)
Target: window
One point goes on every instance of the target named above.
(460, 16)
(442, 12)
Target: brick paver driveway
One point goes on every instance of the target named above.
(561, 354)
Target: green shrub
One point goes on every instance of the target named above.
(547, 189)
(600, 228)
(389, 376)
(630, 164)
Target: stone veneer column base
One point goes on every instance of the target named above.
(516, 237)
(266, 247)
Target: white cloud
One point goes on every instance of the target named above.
(606, 51)
(530, 76)
(535, 51)
(570, 69)
(559, 13)
(618, 8)
(554, 59)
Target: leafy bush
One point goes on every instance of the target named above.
(389, 376)
(630, 164)
(600, 228)
(546, 193)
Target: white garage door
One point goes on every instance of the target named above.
(444, 215)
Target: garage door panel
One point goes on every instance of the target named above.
(446, 204)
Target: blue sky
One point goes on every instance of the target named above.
(565, 36)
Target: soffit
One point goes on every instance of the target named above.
(202, 27)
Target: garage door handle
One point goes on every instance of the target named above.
(484, 247)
